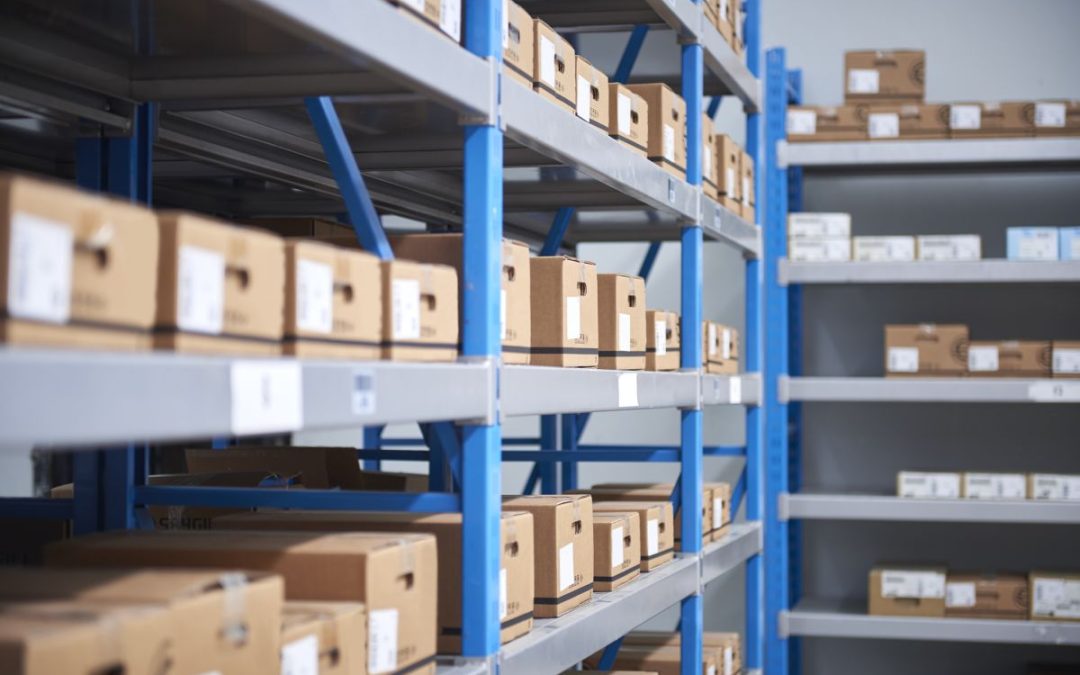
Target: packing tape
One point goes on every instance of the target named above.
(408, 557)
(233, 588)
(101, 235)
(425, 279)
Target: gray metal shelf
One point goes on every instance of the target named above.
(723, 225)
(826, 618)
(742, 389)
(974, 153)
(540, 390)
(815, 506)
(973, 272)
(742, 542)
(929, 390)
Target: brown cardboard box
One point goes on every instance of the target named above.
(393, 575)
(593, 94)
(333, 302)
(221, 288)
(726, 646)
(710, 168)
(430, 16)
(420, 311)
(926, 349)
(894, 76)
(565, 322)
(1009, 358)
(1057, 118)
(621, 322)
(720, 351)
(515, 312)
(563, 542)
(218, 620)
(79, 270)
(826, 123)
(728, 171)
(302, 227)
(554, 68)
(908, 121)
(516, 563)
(907, 590)
(1055, 596)
(667, 126)
(660, 492)
(616, 549)
(1065, 358)
(628, 118)
(661, 660)
(323, 637)
(518, 44)
(657, 533)
(721, 509)
(987, 596)
(662, 340)
(746, 171)
(1008, 119)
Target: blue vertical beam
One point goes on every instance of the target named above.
(85, 481)
(549, 440)
(372, 440)
(90, 163)
(570, 439)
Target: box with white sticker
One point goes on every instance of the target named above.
(721, 509)
(593, 93)
(808, 225)
(1069, 243)
(928, 484)
(1057, 118)
(885, 75)
(628, 118)
(926, 349)
(655, 519)
(986, 596)
(518, 43)
(907, 590)
(660, 492)
(323, 637)
(429, 12)
(1009, 358)
(1065, 358)
(723, 647)
(565, 312)
(825, 249)
(667, 126)
(995, 486)
(622, 322)
(883, 249)
(554, 67)
(420, 311)
(1032, 243)
(720, 349)
(1055, 596)
(949, 247)
(1054, 486)
(616, 549)
(662, 339)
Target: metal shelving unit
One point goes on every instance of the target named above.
(997, 153)
(821, 506)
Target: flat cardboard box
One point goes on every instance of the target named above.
(1065, 355)
(710, 167)
(1032, 243)
(907, 121)
(563, 542)
(824, 249)
(658, 492)
(616, 549)
(327, 638)
(628, 118)
(825, 123)
(515, 565)
(1009, 358)
(420, 311)
(657, 533)
(929, 484)
(565, 306)
(907, 590)
(621, 322)
(1010, 486)
(1009, 119)
(726, 646)
(79, 270)
(518, 44)
(926, 349)
(728, 170)
(393, 575)
(661, 660)
(221, 288)
(593, 94)
(1057, 118)
(819, 225)
(1055, 596)
(949, 247)
(662, 340)
(746, 171)
(667, 126)
(554, 67)
(302, 227)
(883, 249)
(515, 293)
(333, 302)
(987, 596)
(1054, 486)
(889, 75)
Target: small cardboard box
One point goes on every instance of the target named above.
(628, 118)
(907, 590)
(79, 270)
(825, 123)
(1032, 243)
(889, 75)
(450, 19)
(825, 249)
(883, 249)
(908, 121)
(420, 311)
(660, 660)
(565, 306)
(616, 549)
(720, 351)
(727, 646)
(593, 94)
(1065, 359)
(995, 486)
(949, 247)
(302, 227)
(657, 533)
(1054, 486)
(1055, 596)
(929, 484)
(819, 225)
(1057, 118)
(721, 509)
(1008, 119)
(987, 596)
(728, 171)
(662, 340)
(710, 167)
(656, 492)
(667, 126)
(1009, 358)
(393, 575)
(327, 638)
(621, 322)
(1069, 243)
(554, 66)
(427, 11)
(926, 349)
(519, 39)
(221, 288)
(333, 302)
(746, 171)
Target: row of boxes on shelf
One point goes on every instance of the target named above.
(934, 591)
(659, 652)
(987, 485)
(947, 350)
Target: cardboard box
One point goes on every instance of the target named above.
(720, 348)
(725, 645)
(327, 638)
(987, 596)
(825, 123)
(667, 126)
(519, 40)
(1056, 118)
(592, 95)
(616, 549)
(221, 288)
(728, 171)
(1065, 358)
(908, 121)
(1054, 486)
(819, 225)
(420, 311)
(1069, 243)
(662, 340)
(563, 542)
(565, 321)
(428, 11)
(515, 565)
(907, 590)
(994, 486)
(657, 533)
(302, 227)
(621, 322)
(1031, 243)
(656, 492)
(333, 302)
(721, 509)
(711, 8)
(515, 293)
(661, 660)
(883, 249)
(929, 484)
(926, 349)
(710, 167)
(393, 575)
(825, 249)
(79, 270)
(554, 67)
(725, 20)
(885, 75)
(1009, 358)
(991, 120)
(748, 212)
(628, 118)
(1055, 596)
(949, 247)
(746, 170)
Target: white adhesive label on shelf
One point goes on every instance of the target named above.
(863, 81)
(735, 390)
(801, 122)
(628, 390)
(547, 61)
(266, 397)
(314, 296)
(883, 125)
(995, 486)
(1057, 598)
(729, 179)
(363, 392)
(623, 111)
(566, 567)
(965, 117)
(624, 332)
(725, 344)
(729, 661)
(617, 557)
(983, 359)
(382, 640)
(39, 264)
(960, 594)
(405, 310)
(669, 143)
(506, 24)
(912, 584)
(712, 339)
(652, 536)
(301, 657)
(1058, 487)
(660, 337)
(502, 313)
(1050, 115)
(584, 95)
(503, 605)
(450, 18)
(903, 359)
(1066, 361)
(573, 317)
(200, 295)
(1054, 392)
(717, 513)
(918, 485)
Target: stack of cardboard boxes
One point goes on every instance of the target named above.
(727, 17)
(986, 485)
(732, 184)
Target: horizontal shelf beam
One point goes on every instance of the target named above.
(541, 390)
(723, 225)
(885, 508)
(743, 541)
(974, 153)
(973, 272)
(930, 390)
(744, 389)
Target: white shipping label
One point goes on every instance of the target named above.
(301, 657)
(983, 359)
(506, 24)
(382, 640)
(707, 160)
(1058, 598)
(573, 317)
(503, 605)
(502, 313)
(624, 332)
(200, 295)
(960, 594)
(1050, 115)
(712, 339)
(863, 81)
(965, 117)
(652, 537)
(801, 122)
(1066, 361)
(1054, 392)
(628, 390)
(929, 485)
(669, 143)
(710, 670)
(418, 5)
(314, 296)
(450, 18)
(623, 113)
(660, 337)
(39, 260)
(1038, 245)
(266, 396)
(729, 179)
(746, 190)
(547, 61)
(584, 96)
(729, 661)
(725, 344)
(735, 390)
(884, 125)
(1055, 487)
(903, 359)
(405, 314)
(717, 513)
(912, 584)
(566, 567)
(617, 555)
(725, 10)
(995, 486)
